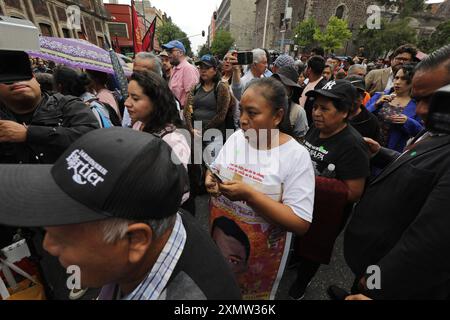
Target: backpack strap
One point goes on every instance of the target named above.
(106, 123)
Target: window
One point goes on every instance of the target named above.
(340, 11)
(118, 29)
(281, 20)
(66, 33)
(46, 30)
(81, 35)
(100, 42)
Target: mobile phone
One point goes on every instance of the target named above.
(245, 58)
(214, 173)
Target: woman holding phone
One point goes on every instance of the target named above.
(263, 197)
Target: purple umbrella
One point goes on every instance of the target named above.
(76, 53)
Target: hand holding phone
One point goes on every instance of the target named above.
(214, 173)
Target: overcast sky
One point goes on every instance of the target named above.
(191, 16)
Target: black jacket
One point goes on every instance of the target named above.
(56, 123)
(402, 225)
(309, 104)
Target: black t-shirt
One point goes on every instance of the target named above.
(346, 150)
(366, 124)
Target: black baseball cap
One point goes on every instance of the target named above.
(107, 173)
(341, 90)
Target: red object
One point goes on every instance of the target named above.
(149, 38)
(137, 40)
(328, 217)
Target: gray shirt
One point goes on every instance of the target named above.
(205, 106)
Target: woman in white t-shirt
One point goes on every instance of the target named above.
(267, 188)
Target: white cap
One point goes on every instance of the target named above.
(331, 167)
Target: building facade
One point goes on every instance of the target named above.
(355, 12)
(238, 18)
(51, 19)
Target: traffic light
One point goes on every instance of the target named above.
(215, 15)
(203, 33)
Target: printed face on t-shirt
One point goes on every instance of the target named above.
(232, 250)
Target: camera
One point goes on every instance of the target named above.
(16, 36)
(438, 120)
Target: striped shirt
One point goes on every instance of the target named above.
(152, 287)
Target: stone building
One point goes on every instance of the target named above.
(238, 18)
(320, 10)
(354, 11)
(51, 19)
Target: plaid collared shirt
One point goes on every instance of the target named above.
(153, 285)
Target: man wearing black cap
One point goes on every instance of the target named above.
(365, 122)
(110, 206)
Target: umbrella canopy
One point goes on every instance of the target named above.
(76, 53)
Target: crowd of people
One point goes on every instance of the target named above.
(292, 152)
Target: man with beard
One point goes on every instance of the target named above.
(184, 75)
(383, 79)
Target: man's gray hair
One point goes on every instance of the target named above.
(115, 228)
(258, 55)
(157, 63)
(353, 69)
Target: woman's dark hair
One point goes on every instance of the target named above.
(217, 78)
(165, 108)
(408, 70)
(69, 81)
(98, 77)
(275, 93)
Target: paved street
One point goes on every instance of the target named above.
(335, 273)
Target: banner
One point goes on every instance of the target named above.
(149, 38)
(137, 37)
(256, 250)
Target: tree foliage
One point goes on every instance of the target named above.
(438, 38)
(391, 35)
(304, 33)
(335, 34)
(170, 31)
(204, 50)
(223, 41)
